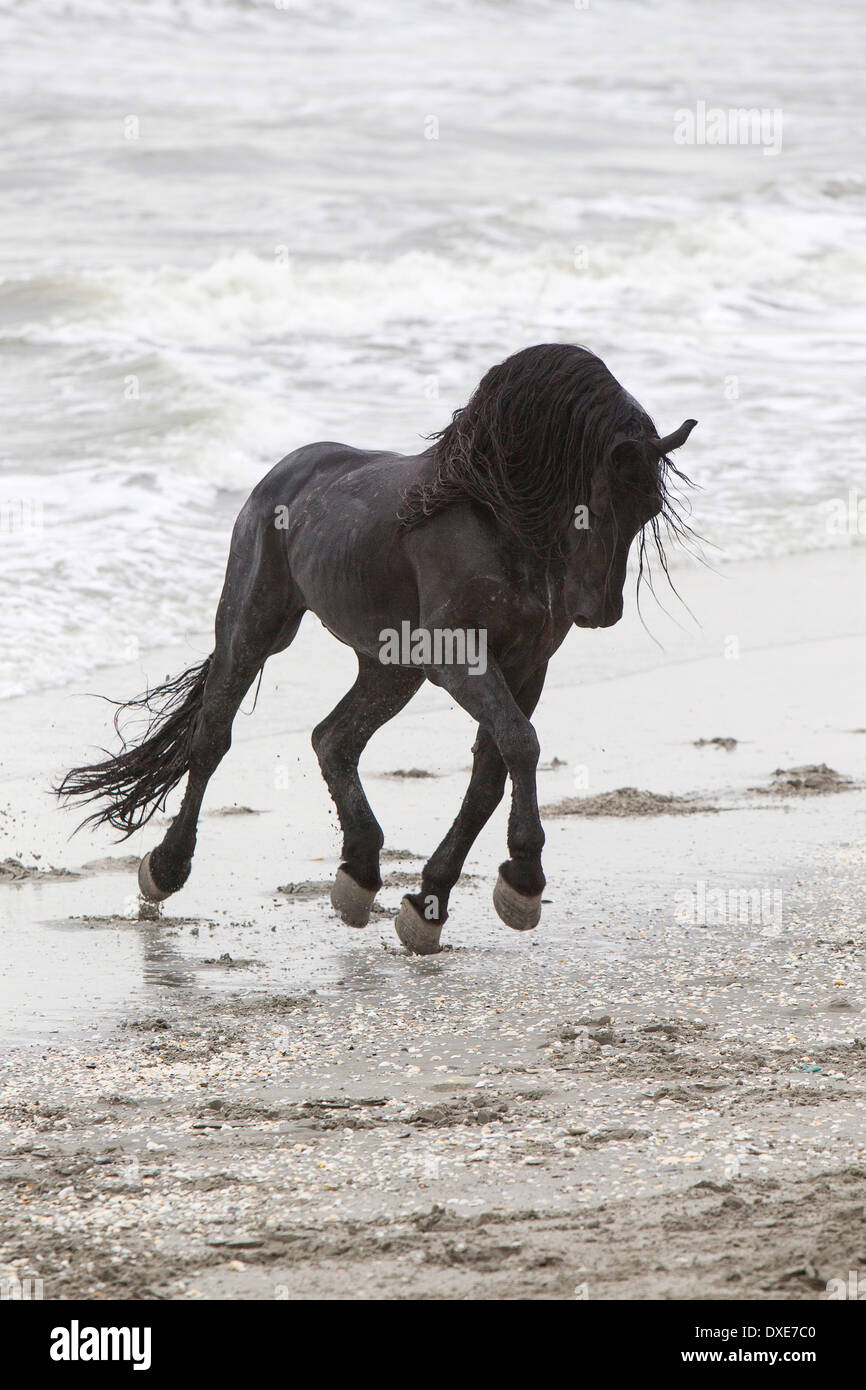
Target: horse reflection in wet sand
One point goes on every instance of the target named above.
(516, 523)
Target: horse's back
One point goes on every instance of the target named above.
(310, 464)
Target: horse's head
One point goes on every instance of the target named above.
(627, 492)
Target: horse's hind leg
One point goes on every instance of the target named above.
(378, 694)
(255, 619)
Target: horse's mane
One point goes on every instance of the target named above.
(528, 441)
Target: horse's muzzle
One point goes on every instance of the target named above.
(605, 619)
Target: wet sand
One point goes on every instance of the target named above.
(661, 1092)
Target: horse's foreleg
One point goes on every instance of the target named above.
(483, 795)
(378, 694)
(517, 896)
(442, 869)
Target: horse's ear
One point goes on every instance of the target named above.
(673, 441)
(624, 451)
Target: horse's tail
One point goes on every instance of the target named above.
(136, 782)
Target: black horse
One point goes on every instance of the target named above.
(515, 524)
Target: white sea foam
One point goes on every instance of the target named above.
(719, 265)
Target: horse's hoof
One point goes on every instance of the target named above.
(516, 910)
(351, 900)
(147, 884)
(417, 934)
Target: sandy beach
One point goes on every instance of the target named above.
(659, 1093)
